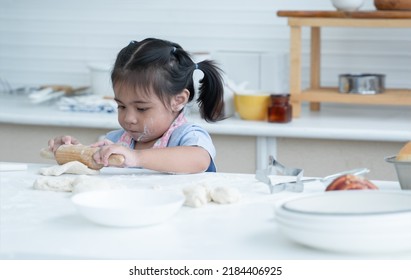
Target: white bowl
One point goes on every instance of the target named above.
(347, 5)
(128, 207)
(349, 221)
(100, 75)
(403, 170)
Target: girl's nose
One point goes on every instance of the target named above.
(130, 117)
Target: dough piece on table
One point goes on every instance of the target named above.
(196, 196)
(77, 184)
(73, 167)
(224, 195)
(63, 184)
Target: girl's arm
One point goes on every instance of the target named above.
(181, 159)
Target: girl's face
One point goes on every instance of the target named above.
(143, 116)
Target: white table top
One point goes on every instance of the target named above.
(38, 224)
(333, 121)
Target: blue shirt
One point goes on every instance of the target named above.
(184, 135)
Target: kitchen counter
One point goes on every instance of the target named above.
(38, 224)
(359, 136)
(350, 122)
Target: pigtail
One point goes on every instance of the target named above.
(211, 92)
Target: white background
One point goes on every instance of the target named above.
(53, 41)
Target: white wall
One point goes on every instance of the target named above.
(52, 41)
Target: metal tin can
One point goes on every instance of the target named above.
(362, 83)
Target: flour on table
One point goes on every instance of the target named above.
(200, 195)
(86, 184)
(73, 167)
(54, 184)
(76, 184)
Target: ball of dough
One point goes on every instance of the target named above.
(196, 196)
(225, 195)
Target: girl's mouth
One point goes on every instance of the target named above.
(140, 135)
(137, 135)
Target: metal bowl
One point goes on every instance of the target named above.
(403, 169)
(362, 83)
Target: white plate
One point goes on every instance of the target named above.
(128, 207)
(349, 221)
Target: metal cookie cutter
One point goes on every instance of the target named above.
(275, 168)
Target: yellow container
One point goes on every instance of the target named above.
(252, 105)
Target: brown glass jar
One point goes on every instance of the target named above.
(279, 109)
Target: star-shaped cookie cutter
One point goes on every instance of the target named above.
(276, 168)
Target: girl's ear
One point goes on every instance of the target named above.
(180, 100)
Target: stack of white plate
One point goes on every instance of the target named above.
(349, 221)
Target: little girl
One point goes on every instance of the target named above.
(153, 82)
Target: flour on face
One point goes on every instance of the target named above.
(146, 132)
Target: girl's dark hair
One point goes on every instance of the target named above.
(165, 68)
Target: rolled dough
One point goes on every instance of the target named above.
(73, 167)
(76, 184)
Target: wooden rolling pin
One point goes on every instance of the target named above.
(81, 153)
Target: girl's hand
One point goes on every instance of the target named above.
(55, 143)
(101, 143)
(130, 156)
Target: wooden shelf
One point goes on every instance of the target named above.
(315, 20)
(374, 14)
(389, 97)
